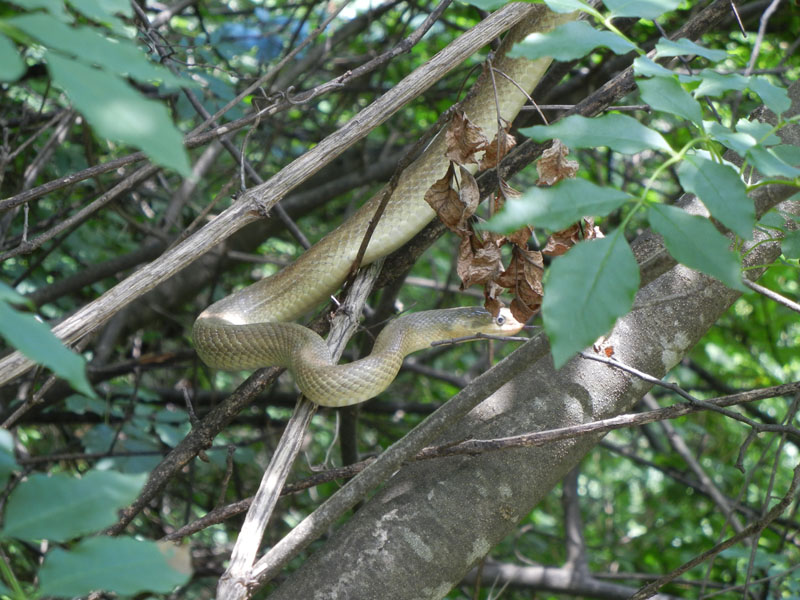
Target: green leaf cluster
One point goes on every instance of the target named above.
(64, 510)
(92, 64)
(35, 340)
(587, 289)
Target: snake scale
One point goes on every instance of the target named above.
(251, 328)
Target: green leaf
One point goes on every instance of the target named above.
(11, 65)
(773, 219)
(12, 296)
(666, 94)
(720, 188)
(558, 206)
(585, 291)
(787, 153)
(130, 119)
(54, 7)
(760, 131)
(122, 565)
(569, 41)
(60, 508)
(119, 56)
(715, 84)
(790, 245)
(619, 132)
(487, 4)
(567, 6)
(770, 164)
(644, 9)
(695, 242)
(35, 340)
(645, 67)
(8, 463)
(683, 46)
(103, 11)
(776, 98)
(737, 141)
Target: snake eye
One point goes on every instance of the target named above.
(500, 319)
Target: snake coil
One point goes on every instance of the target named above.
(251, 329)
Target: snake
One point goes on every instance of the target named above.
(253, 328)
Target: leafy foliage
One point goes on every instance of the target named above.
(34, 339)
(84, 82)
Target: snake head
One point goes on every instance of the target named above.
(505, 323)
(469, 321)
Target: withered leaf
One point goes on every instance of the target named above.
(501, 145)
(521, 236)
(561, 241)
(492, 303)
(523, 312)
(454, 208)
(443, 198)
(523, 277)
(478, 261)
(553, 166)
(505, 192)
(464, 139)
(469, 194)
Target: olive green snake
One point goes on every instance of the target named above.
(251, 328)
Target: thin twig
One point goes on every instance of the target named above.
(754, 528)
(782, 300)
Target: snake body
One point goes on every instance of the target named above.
(251, 328)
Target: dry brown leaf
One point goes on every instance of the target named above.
(526, 267)
(505, 192)
(478, 261)
(454, 208)
(553, 166)
(492, 303)
(521, 236)
(561, 241)
(501, 145)
(443, 198)
(522, 312)
(469, 194)
(464, 139)
(523, 278)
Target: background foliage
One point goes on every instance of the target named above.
(91, 83)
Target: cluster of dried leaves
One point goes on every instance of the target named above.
(455, 197)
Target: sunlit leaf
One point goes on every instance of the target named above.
(646, 67)
(683, 46)
(569, 41)
(770, 164)
(695, 242)
(760, 131)
(619, 132)
(644, 9)
(559, 206)
(715, 84)
(738, 141)
(775, 97)
(566, 6)
(585, 291)
(666, 94)
(721, 189)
